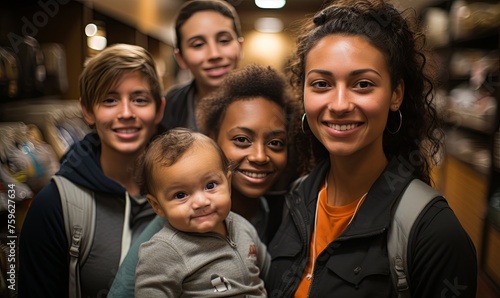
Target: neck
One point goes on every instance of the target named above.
(120, 167)
(244, 206)
(202, 91)
(350, 178)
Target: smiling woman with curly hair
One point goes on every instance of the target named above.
(367, 94)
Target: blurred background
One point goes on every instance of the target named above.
(44, 44)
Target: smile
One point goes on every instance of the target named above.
(126, 130)
(203, 215)
(254, 175)
(343, 127)
(217, 71)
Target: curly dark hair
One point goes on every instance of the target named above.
(397, 35)
(245, 84)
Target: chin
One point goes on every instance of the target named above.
(254, 195)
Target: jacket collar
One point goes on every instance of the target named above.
(376, 211)
(375, 214)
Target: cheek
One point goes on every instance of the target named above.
(279, 160)
(232, 152)
(148, 116)
(174, 213)
(232, 52)
(377, 112)
(193, 58)
(102, 116)
(312, 105)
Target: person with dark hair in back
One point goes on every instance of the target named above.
(209, 45)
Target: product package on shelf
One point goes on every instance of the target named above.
(468, 18)
(25, 161)
(60, 121)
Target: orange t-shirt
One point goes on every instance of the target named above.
(331, 222)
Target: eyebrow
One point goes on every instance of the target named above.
(355, 72)
(134, 93)
(214, 175)
(250, 131)
(218, 34)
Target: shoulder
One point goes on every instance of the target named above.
(438, 219)
(239, 221)
(166, 234)
(175, 91)
(47, 203)
(44, 214)
(162, 245)
(441, 253)
(243, 227)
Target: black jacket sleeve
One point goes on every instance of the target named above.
(43, 250)
(441, 257)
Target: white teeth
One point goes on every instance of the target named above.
(343, 127)
(254, 175)
(126, 130)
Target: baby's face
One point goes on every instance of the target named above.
(194, 193)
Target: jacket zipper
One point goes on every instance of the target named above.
(234, 246)
(295, 213)
(344, 239)
(310, 285)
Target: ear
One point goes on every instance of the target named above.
(160, 111)
(179, 59)
(156, 205)
(87, 115)
(240, 41)
(397, 96)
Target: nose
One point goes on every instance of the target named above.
(258, 154)
(340, 102)
(126, 111)
(213, 50)
(200, 200)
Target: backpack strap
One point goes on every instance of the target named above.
(78, 207)
(416, 196)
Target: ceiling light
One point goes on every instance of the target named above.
(270, 3)
(96, 36)
(268, 25)
(90, 29)
(97, 43)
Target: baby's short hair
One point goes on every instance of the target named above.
(166, 149)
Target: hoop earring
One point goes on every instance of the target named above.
(400, 123)
(304, 123)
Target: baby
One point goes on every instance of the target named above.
(204, 249)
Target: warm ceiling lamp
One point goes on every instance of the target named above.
(268, 25)
(273, 4)
(96, 36)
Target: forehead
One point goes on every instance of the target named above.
(339, 50)
(256, 111)
(133, 76)
(198, 160)
(206, 23)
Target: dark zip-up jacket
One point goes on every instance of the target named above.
(44, 254)
(179, 107)
(441, 256)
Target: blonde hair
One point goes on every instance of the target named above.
(103, 71)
